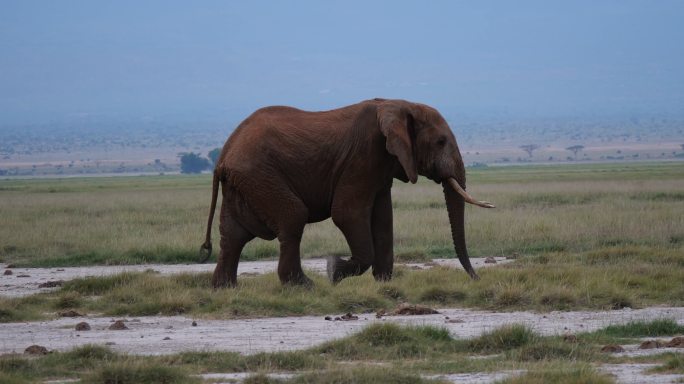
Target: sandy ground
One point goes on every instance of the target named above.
(26, 281)
(166, 335)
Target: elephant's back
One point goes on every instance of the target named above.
(288, 134)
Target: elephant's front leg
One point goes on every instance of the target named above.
(355, 224)
(290, 265)
(291, 222)
(383, 237)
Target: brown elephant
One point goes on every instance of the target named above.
(283, 168)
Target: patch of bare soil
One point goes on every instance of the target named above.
(637, 374)
(29, 281)
(407, 309)
(145, 335)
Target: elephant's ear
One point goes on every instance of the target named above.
(396, 123)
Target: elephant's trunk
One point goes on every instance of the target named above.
(455, 203)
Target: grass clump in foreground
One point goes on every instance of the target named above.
(388, 341)
(660, 327)
(132, 373)
(502, 339)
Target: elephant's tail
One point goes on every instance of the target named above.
(205, 249)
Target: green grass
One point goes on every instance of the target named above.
(161, 219)
(133, 373)
(660, 327)
(387, 341)
(502, 339)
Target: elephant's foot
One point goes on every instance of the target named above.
(300, 280)
(382, 276)
(339, 268)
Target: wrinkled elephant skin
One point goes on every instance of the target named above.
(283, 168)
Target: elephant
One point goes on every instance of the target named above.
(283, 168)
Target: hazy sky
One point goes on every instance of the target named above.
(159, 59)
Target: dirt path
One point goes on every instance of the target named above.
(148, 335)
(460, 378)
(26, 281)
(167, 335)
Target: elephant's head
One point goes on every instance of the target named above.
(424, 145)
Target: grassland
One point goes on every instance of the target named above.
(591, 236)
(540, 210)
(381, 353)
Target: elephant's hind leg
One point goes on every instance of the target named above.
(233, 239)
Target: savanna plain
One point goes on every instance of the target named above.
(601, 237)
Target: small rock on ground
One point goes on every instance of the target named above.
(36, 350)
(51, 284)
(348, 316)
(490, 260)
(412, 309)
(69, 313)
(676, 342)
(612, 348)
(651, 344)
(8, 272)
(118, 326)
(83, 326)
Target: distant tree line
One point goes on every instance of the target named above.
(194, 163)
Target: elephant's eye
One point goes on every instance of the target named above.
(441, 141)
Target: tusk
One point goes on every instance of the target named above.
(469, 199)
